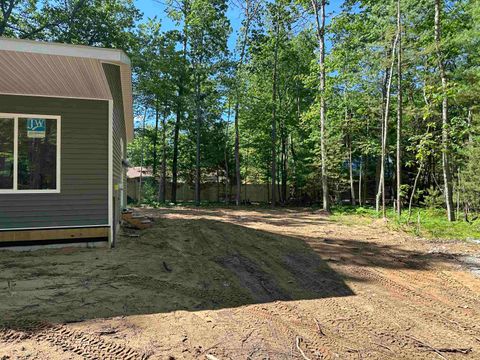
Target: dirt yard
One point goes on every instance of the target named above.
(244, 284)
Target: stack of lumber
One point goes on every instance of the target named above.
(135, 221)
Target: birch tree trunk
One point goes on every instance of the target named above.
(447, 176)
(399, 110)
(350, 165)
(319, 9)
(381, 188)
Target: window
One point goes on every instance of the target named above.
(6, 152)
(29, 153)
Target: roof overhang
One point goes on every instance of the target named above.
(62, 70)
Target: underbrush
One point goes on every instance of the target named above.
(425, 222)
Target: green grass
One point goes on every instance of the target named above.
(427, 223)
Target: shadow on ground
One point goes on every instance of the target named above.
(182, 264)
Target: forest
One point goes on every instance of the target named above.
(373, 104)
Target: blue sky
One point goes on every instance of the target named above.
(151, 8)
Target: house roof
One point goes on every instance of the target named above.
(61, 70)
(134, 172)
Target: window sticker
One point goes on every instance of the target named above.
(36, 128)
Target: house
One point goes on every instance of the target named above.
(135, 176)
(65, 119)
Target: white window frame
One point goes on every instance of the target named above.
(15, 118)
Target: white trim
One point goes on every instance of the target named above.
(55, 227)
(51, 48)
(122, 175)
(59, 154)
(15, 155)
(15, 190)
(111, 237)
(55, 96)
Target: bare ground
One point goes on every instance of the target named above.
(244, 284)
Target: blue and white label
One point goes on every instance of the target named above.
(36, 128)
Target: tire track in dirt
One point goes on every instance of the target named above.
(321, 348)
(435, 308)
(306, 323)
(354, 320)
(434, 300)
(448, 285)
(460, 290)
(75, 342)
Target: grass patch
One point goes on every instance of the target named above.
(428, 223)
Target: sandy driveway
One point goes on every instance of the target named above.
(244, 284)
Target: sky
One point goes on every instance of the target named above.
(151, 8)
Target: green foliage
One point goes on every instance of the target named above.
(432, 224)
(433, 199)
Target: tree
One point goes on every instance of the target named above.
(399, 110)
(26, 19)
(319, 10)
(250, 10)
(276, 26)
(447, 176)
(207, 40)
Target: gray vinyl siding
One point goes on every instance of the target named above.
(83, 199)
(112, 73)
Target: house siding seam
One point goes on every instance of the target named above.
(83, 200)
(113, 76)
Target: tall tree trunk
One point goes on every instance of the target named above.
(238, 176)
(353, 200)
(155, 137)
(381, 189)
(284, 165)
(412, 195)
(319, 9)
(360, 182)
(283, 154)
(176, 133)
(447, 176)
(142, 160)
(294, 167)
(163, 171)
(227, 179)
(399, 111)
(198, 122)
(218, 186)
(178, 121)
(378, 184)
(274, 112)
(250, 11)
